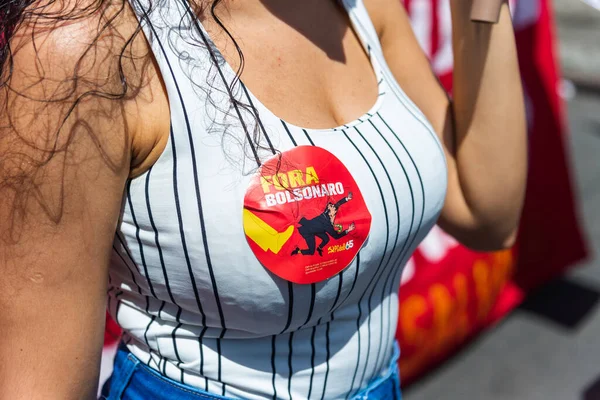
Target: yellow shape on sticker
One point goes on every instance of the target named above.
(264, 234)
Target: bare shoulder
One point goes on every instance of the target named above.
(74, 46)
(68, 105)
(87, 63)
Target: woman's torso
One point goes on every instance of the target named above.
(187, 286)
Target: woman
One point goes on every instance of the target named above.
(201, 133)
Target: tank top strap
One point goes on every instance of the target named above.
(193, 70)
(158, 20)
(359, 16)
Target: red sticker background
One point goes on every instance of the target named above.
(304, 217)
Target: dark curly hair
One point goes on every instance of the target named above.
(19, 170)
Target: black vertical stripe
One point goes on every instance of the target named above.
(127, 264)
(273, 352)
(160, 254)
(390, 257)
(121, 239)
(150, 359)
(311, 308)
(146, 335)
(327, 349)
(174, 338)
(203, 230)
(147, 305)
(218, 340)
(327, 358)
(387, 224)
(288, 132)
(159, 311)
(290, 306)
(162, 306)
(152, 318)
(291, 372)
(312, 338)
(255, 112)
(332, 311)
(180, 222)
(156, 240)
(312, 361)
(339, 291)
(308, 137)
(201, 348)
(353, 283)
(137, 236)
(359, 346)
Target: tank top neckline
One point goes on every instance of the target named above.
(365, 117)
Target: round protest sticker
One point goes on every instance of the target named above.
(304, 217)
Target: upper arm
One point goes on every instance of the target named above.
(412, 70)
(64, 160)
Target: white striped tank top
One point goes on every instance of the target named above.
(187, 283)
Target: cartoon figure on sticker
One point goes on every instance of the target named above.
(322, 226)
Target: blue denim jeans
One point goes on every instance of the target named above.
(133, 380)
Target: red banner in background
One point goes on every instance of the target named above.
(450, 293)
(550, 238)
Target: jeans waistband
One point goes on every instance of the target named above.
(133, 380)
